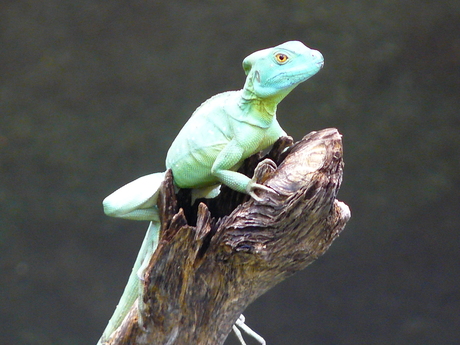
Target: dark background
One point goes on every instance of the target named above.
(92, 93)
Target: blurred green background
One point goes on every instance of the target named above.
(92, 93)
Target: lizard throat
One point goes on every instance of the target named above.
(258, 112)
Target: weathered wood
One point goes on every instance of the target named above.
(207, 270)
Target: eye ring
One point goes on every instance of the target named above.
(281, 58)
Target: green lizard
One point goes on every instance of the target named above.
(219, 136)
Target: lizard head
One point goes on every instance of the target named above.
(272, 73)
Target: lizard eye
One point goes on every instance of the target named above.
(281, 58)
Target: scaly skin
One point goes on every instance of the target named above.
(219, 136)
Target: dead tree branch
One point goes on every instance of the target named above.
(218, 256)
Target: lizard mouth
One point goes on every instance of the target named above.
(290, 79)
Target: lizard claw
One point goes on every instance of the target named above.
(254, 185)
(263, 170)
(255, 197)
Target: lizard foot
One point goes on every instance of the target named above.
(262, 172)
(240, 323)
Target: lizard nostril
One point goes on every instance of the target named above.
(318, 58)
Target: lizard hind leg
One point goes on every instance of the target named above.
(135, 200)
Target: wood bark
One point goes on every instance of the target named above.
(217, 256)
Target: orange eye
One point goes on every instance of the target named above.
(281, 58)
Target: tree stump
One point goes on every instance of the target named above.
(217, 256)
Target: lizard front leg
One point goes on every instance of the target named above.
(232, 156)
